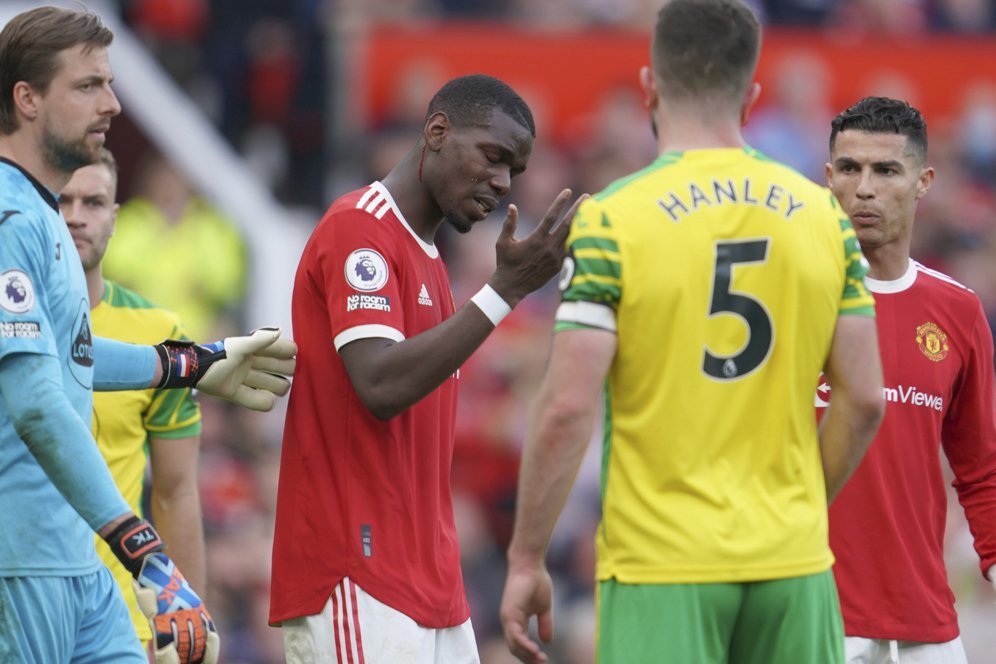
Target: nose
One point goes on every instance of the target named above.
(71, 213)
(865, 189)
(111, 106)
(501, 181)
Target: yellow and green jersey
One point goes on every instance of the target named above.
(123, 421)
(722, 273)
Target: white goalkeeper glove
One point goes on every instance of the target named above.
(251, 371)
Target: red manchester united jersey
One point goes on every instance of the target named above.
(358, 496)
(887, 524)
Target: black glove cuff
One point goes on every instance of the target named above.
(132, 541)
(184, 362)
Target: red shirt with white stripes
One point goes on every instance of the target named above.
(887, 524)
(361, 497)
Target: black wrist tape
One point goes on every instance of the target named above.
(132, 541)
(185, 362)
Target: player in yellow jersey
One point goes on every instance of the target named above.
(132, 425)
(701, 298)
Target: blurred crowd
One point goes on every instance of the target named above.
(265, 71)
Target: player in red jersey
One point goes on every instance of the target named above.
(366, 564)
(887, 524)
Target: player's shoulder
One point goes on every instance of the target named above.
(21, 198)
(788, 177)
(944, 284)
(14, 181)
(369, 210)
(368, 216)
(625, 186)
(122, 299)
(372, 202)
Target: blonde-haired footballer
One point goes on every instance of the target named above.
(132, 426)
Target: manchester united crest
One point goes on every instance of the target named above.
(933, 341)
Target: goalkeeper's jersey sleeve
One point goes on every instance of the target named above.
(722, 273)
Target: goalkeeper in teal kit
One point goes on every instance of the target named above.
(58, 603)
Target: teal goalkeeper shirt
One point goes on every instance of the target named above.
(44, 311)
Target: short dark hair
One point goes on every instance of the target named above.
(106, 159)
(30, 45)
(882, 115)
(705, 49)
(470, 100)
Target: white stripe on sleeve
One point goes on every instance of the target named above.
(366, 332)
(587, 313)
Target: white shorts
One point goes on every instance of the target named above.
(355, 628)
(882, 651)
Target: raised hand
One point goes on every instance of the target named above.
(525, 265)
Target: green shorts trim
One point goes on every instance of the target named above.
(784, 621)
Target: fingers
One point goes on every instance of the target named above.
(213, 647)
(544, 625)
(274, 365)
(562, 231)
(283, 348)
(553, 214)
(508, 227)
(519, 643)
(259, 339)
(262, 380)
(198, 638)
(252, 399)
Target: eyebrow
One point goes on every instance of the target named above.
(69, 196)
(888, 163)
(95, 78)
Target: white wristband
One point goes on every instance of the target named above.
(491, 305)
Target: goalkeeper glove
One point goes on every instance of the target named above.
(252, 371)
(182, 626)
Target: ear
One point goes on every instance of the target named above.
(924, 182)
(25, 100)
(114, 218)
(436, 127)
(753, 94)
(649, 86)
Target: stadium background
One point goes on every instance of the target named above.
(256, 114)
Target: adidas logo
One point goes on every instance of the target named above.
(423, 297)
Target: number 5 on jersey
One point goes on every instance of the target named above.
(760, 332)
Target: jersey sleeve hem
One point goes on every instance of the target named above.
(585, 314)
(183, 430)
(367, 332)
(861, 310)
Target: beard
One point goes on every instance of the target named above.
(67, 156)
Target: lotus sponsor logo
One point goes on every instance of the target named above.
(80, 359)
